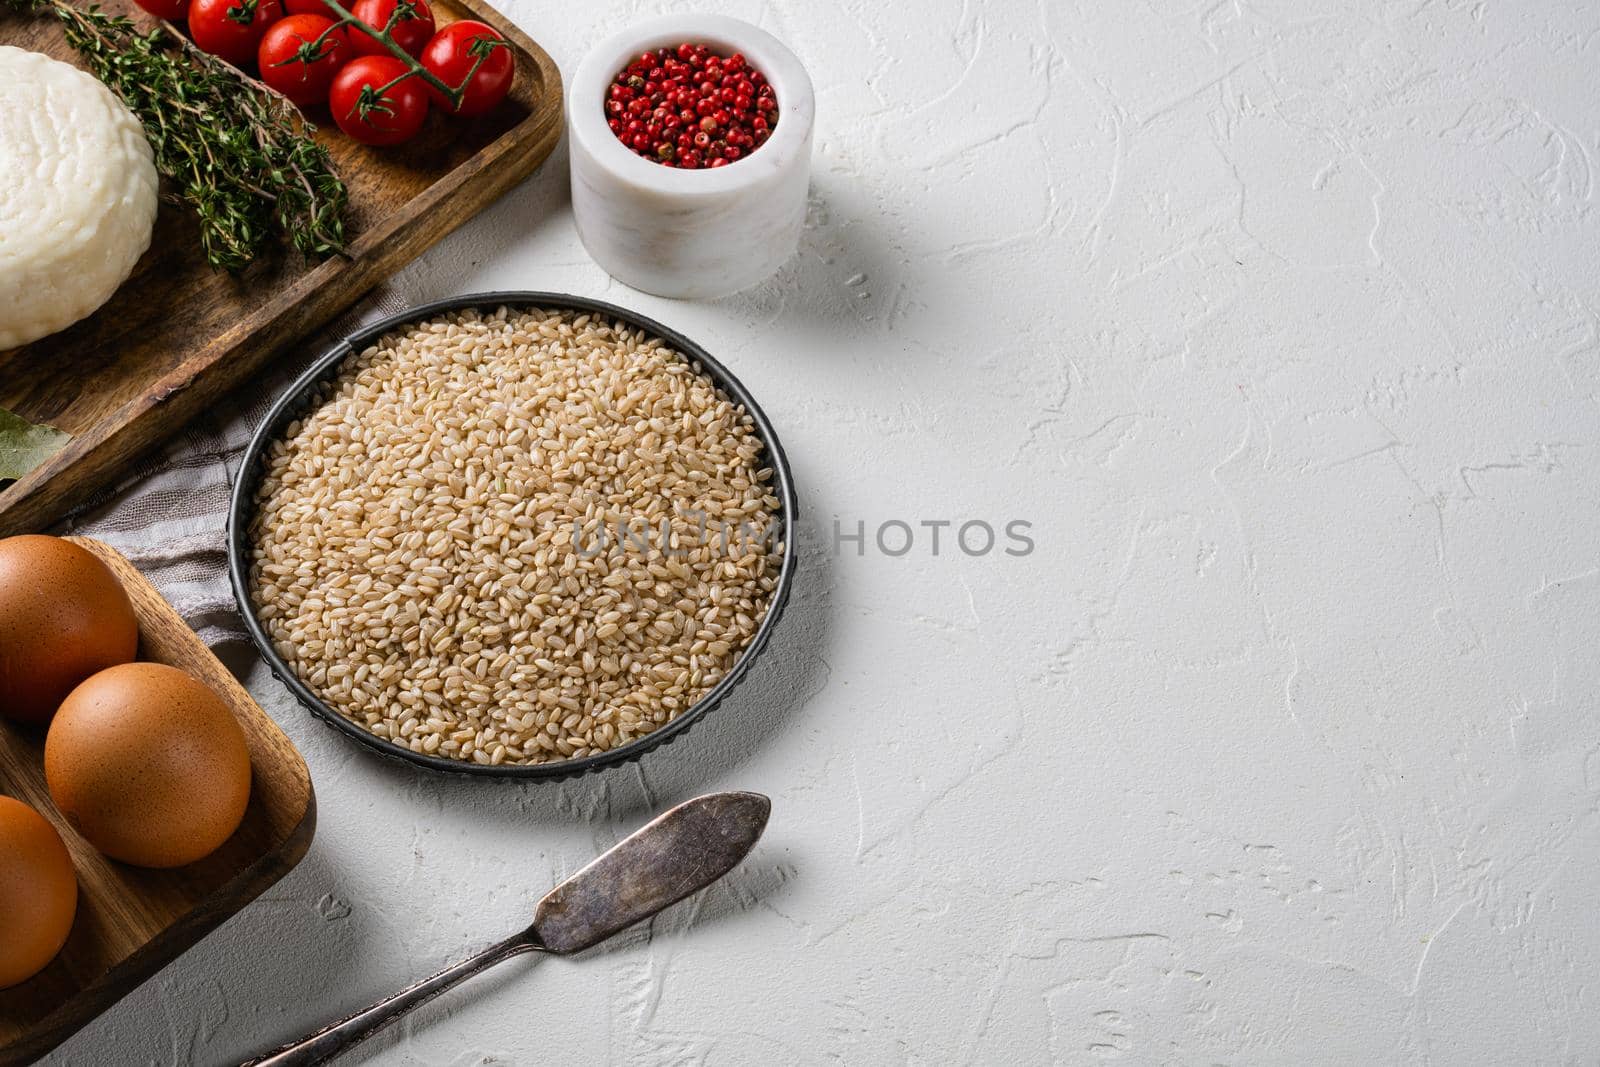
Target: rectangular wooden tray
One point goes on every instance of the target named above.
(179, 334)
(132, 922)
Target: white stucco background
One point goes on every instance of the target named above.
(1279, 323)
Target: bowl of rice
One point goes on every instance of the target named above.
(522, 535)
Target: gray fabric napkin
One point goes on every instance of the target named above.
(169, 515)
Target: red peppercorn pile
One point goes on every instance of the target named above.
(690, 108)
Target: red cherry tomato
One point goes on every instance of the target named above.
(372, 117)
(290, 64)
(232, 29)
(413, 25)
(453, 52)
(308, 7)
(171, 10)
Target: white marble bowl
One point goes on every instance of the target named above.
(690, 233)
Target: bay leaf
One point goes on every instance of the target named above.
(24, 445)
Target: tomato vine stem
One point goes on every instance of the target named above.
(415, 69)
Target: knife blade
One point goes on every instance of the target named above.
(684, 850)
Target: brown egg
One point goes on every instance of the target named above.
(149, 765)
(38, 892)
(63, 616)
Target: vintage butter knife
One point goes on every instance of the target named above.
(684, 850)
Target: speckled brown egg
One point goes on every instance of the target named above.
(149, 765)
(38, 892)
(63, 616)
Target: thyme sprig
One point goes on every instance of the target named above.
(239, 154)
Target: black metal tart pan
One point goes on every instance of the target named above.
(297, 398)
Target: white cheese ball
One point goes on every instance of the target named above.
(78, 196)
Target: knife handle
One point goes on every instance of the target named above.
(335, 1038)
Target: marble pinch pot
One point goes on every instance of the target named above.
(687, 234)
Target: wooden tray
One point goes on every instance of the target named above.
(179, 334)
(132, 922)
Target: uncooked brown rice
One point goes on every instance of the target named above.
(416, 554)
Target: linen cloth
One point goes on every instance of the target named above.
(169, 515)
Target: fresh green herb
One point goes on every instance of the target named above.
(23, 446)
(239, 154)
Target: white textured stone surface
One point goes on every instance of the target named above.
(1279, 322)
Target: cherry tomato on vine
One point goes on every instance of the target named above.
(232, 29)
(299, 57)
(453, 53)
(308, 7)
(370, 105)
(412, 28)
(171, 10)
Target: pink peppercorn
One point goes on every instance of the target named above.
(690, 108)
